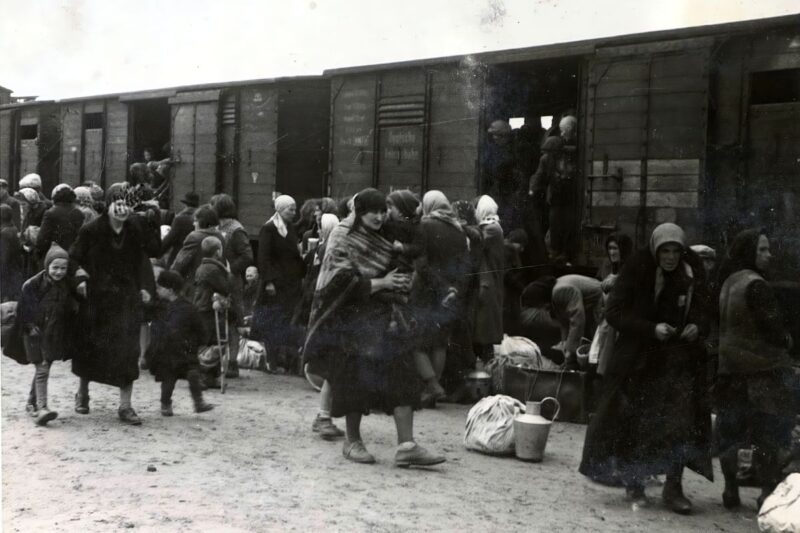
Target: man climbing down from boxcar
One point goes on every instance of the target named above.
(553, 188)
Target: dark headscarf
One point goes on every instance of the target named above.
(406, 201)
(741, 254)
(367, 201)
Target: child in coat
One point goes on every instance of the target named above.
(177, 334)
(45, 315)
(213, 288)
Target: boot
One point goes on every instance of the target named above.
(81, 404)
(202, 407)
(673, 497)
(416, 456)
(326, 428)
(635, 493)
(44, 416)
(166, 409)
(729, 465)
(128, 416)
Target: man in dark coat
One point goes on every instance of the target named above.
(189, 257)
(182, 226)
(114, 250)
(61, 222)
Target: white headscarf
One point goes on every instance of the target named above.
(33, 181)
(282, 203)
(486, 210)
(326, 225)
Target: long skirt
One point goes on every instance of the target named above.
(109, 352)
(651, 420)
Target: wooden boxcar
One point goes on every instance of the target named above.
(30, 142)
(698, 126)
(250, 139)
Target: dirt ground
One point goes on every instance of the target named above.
(253, 464)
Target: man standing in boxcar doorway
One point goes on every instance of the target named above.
(503, 177)
(553, 187)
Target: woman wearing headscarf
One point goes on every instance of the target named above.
(489, 310)
(653, 416)
(282, 269)
(33, 209)
(321, 207)
(61, 222)
(85, 203)
(114, 250)
(12, 259)
(754, 387)
(439, 289)
(618, 249)
(369, 362)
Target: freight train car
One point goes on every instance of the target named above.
(250, 139)
(697, 126)
(29, 142)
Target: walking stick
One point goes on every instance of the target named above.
(223, 346)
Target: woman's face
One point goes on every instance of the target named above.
(613, 252)
(393, 212)
(669, 256)
(373, 219)
(119, 210)
(288, 213)
(763, 254)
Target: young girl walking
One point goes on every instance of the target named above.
(46, 312)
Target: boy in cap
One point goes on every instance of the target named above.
(177, 334)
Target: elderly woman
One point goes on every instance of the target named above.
(85, 203)
(489, 310)
(282, 270)
(114, 249)
(351, 328)
(653, 417)
(439, 289)
(754, 388)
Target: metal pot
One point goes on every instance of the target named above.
(478, 384)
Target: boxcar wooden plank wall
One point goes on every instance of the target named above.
(116, 148)
(7, 149)
(353, 116)
(647, 115)
(402, 117)
(28, 143)
(194, 143)
(71, 143)
(257, 155)
(454, 132)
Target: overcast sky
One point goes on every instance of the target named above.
(60, 48)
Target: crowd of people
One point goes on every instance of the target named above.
(389, 301)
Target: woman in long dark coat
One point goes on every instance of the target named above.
(755, 377)
(282, 270)
(653, 417)
(12, 259)
(369, 361)
(489, 309)
(114, 249)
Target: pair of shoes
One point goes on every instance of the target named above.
(730, 498)
(81, 404)
(416, 456)
(637, 496)
(31, 409)
(674, 500)
(166, 409)
(326, 428)
(128, 416)
(202, 407)
(44, 416)
(356, 451)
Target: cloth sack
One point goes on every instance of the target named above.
(518, 352)
(252, 354)
(780, 512)
(490, 425)
(209, 357)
